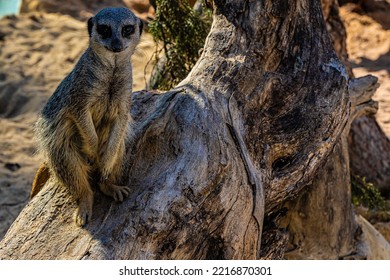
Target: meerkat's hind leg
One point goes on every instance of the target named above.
(83, 213)
(73, 172)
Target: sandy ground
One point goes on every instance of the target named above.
(82, 9)
(368, 45)
(37, 50)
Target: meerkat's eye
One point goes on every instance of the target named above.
(127, 30)
(104, 31)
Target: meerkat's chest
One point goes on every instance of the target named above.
(106, 107)
(110, 95)
(103, 111)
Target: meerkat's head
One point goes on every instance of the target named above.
(114, 30)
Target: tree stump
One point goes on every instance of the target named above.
(242, 134)
(321, 222)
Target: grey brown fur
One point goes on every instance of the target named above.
(84, 124)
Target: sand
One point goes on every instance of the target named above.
(368, 45)
(38, 49)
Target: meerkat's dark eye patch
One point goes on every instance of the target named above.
(127, 30)
(104, 31)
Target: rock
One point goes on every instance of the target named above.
(12, 166)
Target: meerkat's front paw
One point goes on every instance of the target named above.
(83, 213)
(119, 193)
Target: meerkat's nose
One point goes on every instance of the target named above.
(116, 45)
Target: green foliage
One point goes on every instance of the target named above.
(182, 32)
(365, 194)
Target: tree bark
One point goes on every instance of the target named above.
(242, 134)
(321, 223)
(337, 32)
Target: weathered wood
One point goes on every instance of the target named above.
(321, 222)
(337, 32)
(278, 61)
(254, 120)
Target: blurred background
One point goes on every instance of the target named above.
(41, 40)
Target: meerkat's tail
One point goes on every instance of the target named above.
(40, 179)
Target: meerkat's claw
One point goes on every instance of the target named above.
(118, 196)
(119, 193)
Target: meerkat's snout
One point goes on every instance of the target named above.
(116, 45)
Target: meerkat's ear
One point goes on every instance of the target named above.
(90, 25)
(141, 27)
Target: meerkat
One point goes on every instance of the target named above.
(84, 125)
